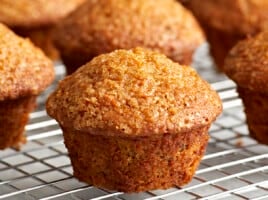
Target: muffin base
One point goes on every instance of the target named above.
(136, 164)
(256, 109)
(14, 116)
(220, 44)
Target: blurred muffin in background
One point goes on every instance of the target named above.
(36, 18)
(133, 120)
(225, 22)
(184, 2)
(247, 65)
(24, 73)
(105, 25)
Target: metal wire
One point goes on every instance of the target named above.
(234, 167)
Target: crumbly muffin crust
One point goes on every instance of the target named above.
(239, 17)
(247, 63)
(133, 92)
(24, 69)
(31, 13)
(105, 25)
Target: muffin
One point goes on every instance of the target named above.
(247, 65)
(24, 72)
(225, 22)
(106, 25)
(36, 18)
(133, 120)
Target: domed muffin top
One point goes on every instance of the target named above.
(133, 92)
(101, 26)
(24, 69)
(234, 16)
(247, 63)
(31, 13)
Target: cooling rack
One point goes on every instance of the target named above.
(235, 166)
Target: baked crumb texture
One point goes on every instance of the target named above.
(247, 65)
(105, 25)
(36, 19)
(134, 120)
(225, 22)
(24, 72)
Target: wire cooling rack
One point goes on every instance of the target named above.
(235, 166)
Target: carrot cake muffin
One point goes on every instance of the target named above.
(105, 25)
(24, 72)
(36, 18)
(133, 120)
(225, 22)
(247, 65)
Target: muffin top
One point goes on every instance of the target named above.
(101, 26)
(32, 13)
(247, 63)
(233, 16)
(133, 93)
(24, 69)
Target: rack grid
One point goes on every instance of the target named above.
(235, 166)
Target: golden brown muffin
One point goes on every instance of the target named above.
(24, 72)
(225, 22)
(36, 18)
(105, 25)
(247, 65)
(133, 120)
